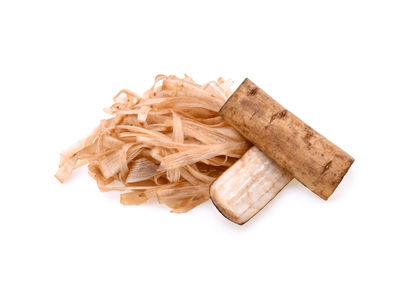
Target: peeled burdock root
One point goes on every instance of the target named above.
(169, 144)
(247, 186)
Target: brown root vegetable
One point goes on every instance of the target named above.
(169, 144)
(311, 158)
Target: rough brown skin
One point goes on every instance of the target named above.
(311, 158)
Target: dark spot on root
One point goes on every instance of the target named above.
(278, 115)
(307, 137)
(326, 167)
(253, 91)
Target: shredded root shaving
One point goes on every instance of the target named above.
(170, 144)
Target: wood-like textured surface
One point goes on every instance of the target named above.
(311, 158)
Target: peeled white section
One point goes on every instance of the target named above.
(248, 185)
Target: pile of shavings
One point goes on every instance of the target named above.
(169, 144)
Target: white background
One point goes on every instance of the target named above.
(335, 64)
